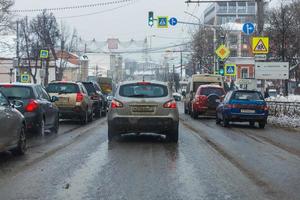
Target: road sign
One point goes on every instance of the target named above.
(230, 70)
(223, 52)
(162, 22)
(25, 78)
(248, 28)
(260, 45)
(173, 21)
(44, 54)
(272, 70)
(260, 57)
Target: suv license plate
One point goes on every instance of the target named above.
(142, 109)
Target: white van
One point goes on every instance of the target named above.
(195, 81)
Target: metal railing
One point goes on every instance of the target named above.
(277, 108)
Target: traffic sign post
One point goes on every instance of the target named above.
(260, 45)
(230, 70)
(25, 78)
(248, 28)
(173, 21)
(162, 22)
(44, 54)
(223, 52)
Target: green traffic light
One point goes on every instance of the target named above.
(151, 18)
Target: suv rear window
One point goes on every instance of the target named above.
(90, 88)
(250, 96)
(210, 90)
(17, 92)
(62, 88)
(143, 90)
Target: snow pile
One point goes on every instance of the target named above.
(285, 121)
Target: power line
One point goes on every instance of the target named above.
(72, 7)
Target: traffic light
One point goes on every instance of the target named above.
(221, 68)
(150, 18)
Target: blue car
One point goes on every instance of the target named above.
(243, 106)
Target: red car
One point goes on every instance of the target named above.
(206, 100)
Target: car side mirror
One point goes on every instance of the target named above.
(17, 104)
(54, 98)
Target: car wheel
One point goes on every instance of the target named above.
(91, 117)
(185, 110)
(98, 113)
(225, 122)
(40, 130)
(104, 111)
(110, 133)
(262, 125)
(251, 123)
(22, 145)
(56, 125)
(84, 118)
(172, 135)
(194, 114)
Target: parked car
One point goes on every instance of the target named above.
(12, 126)
(206, 100)
(98, 99)
(143, 107)
(272, 93)
(243, 106)
(194, 82)
(38, 108)
(73, 100)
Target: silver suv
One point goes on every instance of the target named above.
(143, 107)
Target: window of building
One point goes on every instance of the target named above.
(233, 52)
(222, 7)
(232, 7)
(233, 39)
(244, 73)
(251, 7)
(241, 7)
(245, 53)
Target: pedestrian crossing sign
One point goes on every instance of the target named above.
(162, 22)
(230, 70)
(260, 45)
(25, 78)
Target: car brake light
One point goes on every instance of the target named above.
(7, 86)
(143, 83)
(116, 104)
(32, 106)
(265, 108)
(170, 104)
(79, 97)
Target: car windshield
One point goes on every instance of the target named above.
(90, 88)
(210, 90)
(3, 100)
(197, 84)
(62, 88)
(143, 90)
(249, 96)
(16, 92)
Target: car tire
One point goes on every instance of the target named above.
(55, 128)
(40, 130)
(252, 123)
(110, 133)
(91, 117)
(104, 111)
(185, 110)
(84, 118)
(98, 113)
(225, 122)
(172, 135)
(22, 145)
(262, 125)
(194, 115)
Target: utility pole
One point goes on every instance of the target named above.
(18, 51)
(181, 65)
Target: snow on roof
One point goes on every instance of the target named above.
(7, 46)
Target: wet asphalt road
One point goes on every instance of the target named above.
(209, 162)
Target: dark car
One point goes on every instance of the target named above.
(97, 97)
(12, 126)
(243, 106)
(38, 108)
(206, 100)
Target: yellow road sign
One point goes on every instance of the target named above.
(230, 70)
(260, 45)
(223, 52)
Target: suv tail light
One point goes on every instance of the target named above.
(79, 97)
(116, 104)
(265, 108)
(170, 104)
(32, 106)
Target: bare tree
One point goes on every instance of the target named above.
(47, 30)
(5, 15)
